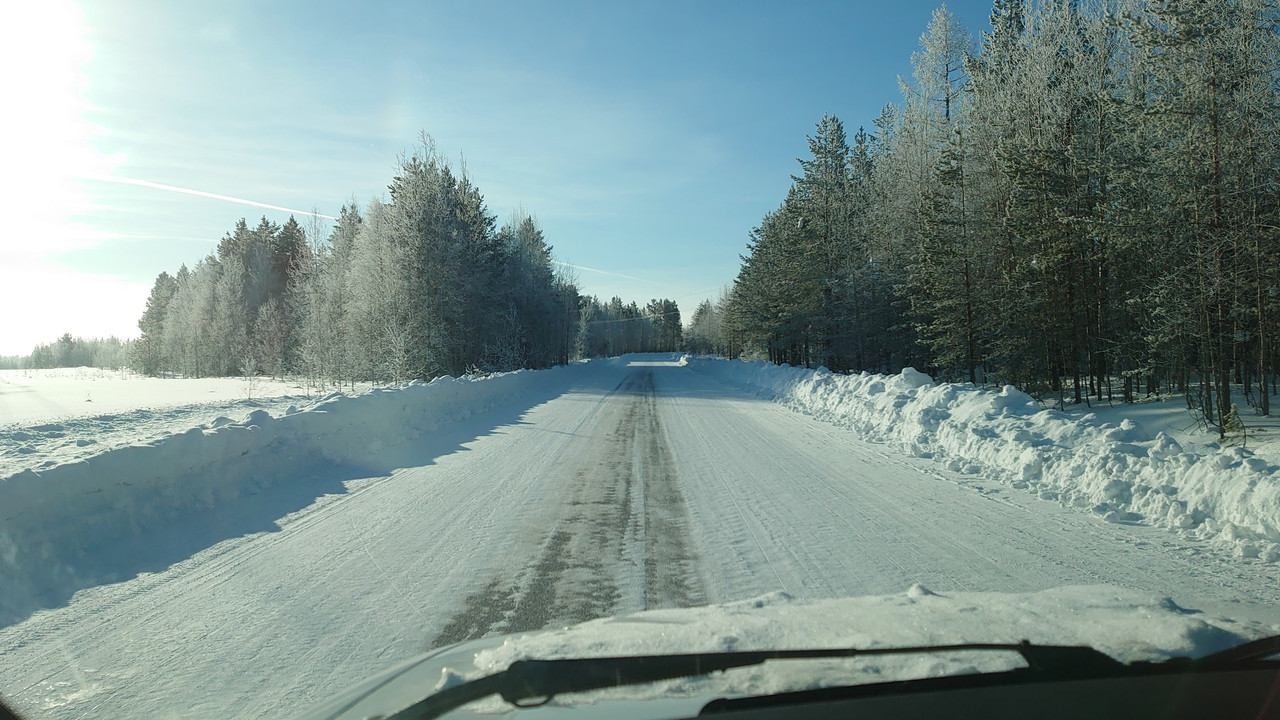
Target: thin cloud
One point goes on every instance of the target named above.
(604, 272)
(201, 193)
(269, 206)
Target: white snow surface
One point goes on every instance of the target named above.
(61, 415)
(54, 515)
(30, 397)
(258, 566)
(1119, 471)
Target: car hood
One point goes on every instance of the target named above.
(1124, 624)
(397, 688)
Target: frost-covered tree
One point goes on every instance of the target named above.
(191, 315)
(270, 337)
(324, 295)
(228, 329)
(706, 329)
(148, 352)
(1206, 88)
(1086, 207)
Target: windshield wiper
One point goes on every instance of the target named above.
(1256, 655)
(1262, 649)
(528, 683)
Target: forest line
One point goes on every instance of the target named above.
(1085, 203)
(423, 285)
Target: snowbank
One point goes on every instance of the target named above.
(51, 518)
(1125, 624)
(44, 444)
(1120, 472)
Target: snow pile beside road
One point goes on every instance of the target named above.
(1127, 625)
(1119, 472)
(44, 444)
(51, 518)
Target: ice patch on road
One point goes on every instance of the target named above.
(1117, 471)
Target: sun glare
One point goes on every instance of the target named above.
(47, 150)
(48, 141)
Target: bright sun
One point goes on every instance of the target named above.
(46, 136)
(45, 151)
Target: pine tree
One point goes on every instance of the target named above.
(148, 354)
(949, 274)
(1210, 69)
(323, 296)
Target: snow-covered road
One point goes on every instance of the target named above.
(617, 487)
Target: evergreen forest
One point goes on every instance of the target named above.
(421, 285)
(1083, 202)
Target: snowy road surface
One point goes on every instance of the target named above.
(622, 487)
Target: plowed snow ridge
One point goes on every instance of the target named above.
(51, 519)
(1121, 473)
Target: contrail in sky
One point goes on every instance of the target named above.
(201, 193)
(604, 272)
(242, 201)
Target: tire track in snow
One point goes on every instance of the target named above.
(621, 544)
(671, 569)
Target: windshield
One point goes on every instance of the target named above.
(338, 333)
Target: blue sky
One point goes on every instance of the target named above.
(647, 137)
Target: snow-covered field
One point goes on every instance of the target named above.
(58, 416)
(249, 561)
(30, 397)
